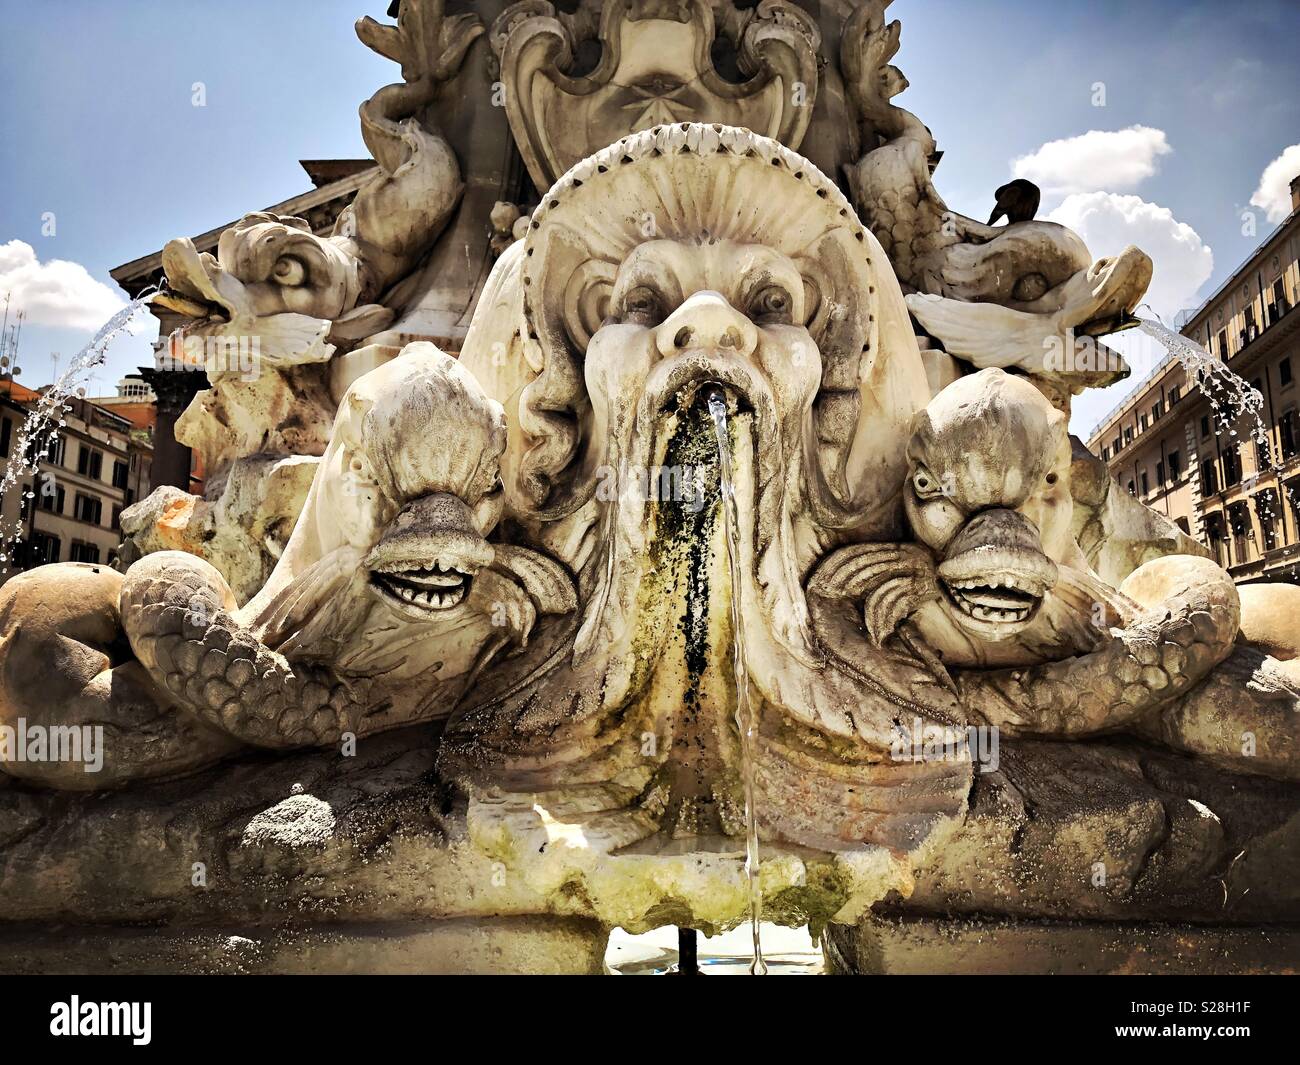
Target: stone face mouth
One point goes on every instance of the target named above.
(421, 590)
(697, 393)
(683, 382)
(688, 379)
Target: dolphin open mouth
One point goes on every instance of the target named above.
(426, 560)
(997, 578)
(1005, 599)
(423, 590)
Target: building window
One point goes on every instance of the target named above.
(1209, 478)
(1287, 433)
(1142, 423)
(1128, 435)
(1115, 448)
(80, 552)
(42, 548)
(1146, 484)
(1263, 455)
(1105, 454)
(1175, 394)
(6, 431)
(52, 501)
(1160, 473)
(1284, 370)
(90, 462)
(120, 474)
(88, 508)
(1223, 344)
(1175, 465)
(1214, 532)
(1239, 521)
(1130, 489)
(1157, 409)
(1205, 425)
(1231, 467)
(1266, 527)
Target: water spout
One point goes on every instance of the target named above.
(1231, 398)
(744, 711)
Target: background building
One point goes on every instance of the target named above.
(1171, 446)
(98, 464)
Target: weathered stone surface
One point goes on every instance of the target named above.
(242, 533)
(315, 839)
(1116, 831)
(903, 946)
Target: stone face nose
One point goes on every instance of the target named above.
(705, 320)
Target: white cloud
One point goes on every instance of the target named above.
(55, 292)
(1108, 223)
(1274, 192)
(1111, 160)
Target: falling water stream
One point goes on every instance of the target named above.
(744, 711)
(48, 415)
(1231, 397)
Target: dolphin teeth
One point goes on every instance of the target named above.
(426, 588)
(993, 600)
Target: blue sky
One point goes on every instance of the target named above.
(100, 129)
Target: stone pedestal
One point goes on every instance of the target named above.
(1073, 858)
(315, 862)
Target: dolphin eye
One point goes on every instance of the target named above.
(289, 270)
(924, 484)
(771, 305)
(643, 305)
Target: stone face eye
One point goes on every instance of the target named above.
(289, 270)
(771, 304)
(643, 305)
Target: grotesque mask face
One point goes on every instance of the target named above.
(988, 492)
(678, 315)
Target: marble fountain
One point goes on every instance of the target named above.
(653, 506)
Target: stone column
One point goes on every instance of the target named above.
(174, 389)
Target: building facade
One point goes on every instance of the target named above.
(1185, 449)
(97, 464)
